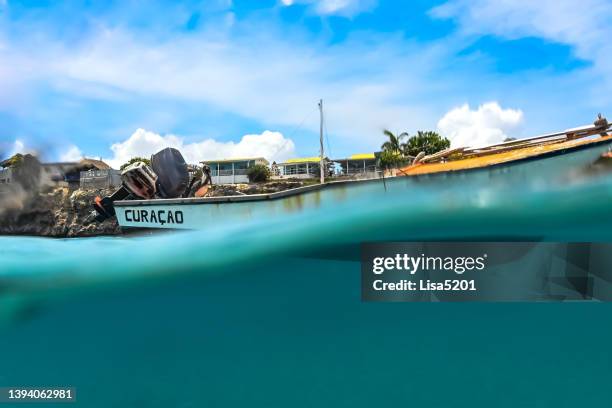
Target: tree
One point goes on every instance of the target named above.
(391, 159)
(134, 160)
(258, 173)
(425, 141)
(12, 161)
(394, 144)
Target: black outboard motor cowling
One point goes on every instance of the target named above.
(172, 174)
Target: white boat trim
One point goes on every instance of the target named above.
(222, 199)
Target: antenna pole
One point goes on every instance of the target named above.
(322, 162)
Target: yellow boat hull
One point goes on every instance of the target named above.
(504, 158)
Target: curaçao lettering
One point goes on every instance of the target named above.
(161, 217)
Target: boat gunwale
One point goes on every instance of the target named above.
(240, 198)
(316, 187)
(537, 156)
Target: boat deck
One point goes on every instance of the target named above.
(520, 154)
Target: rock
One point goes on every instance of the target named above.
(271, 187)
(223, 190)
(57, 213)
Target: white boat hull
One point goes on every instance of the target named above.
(206, 213)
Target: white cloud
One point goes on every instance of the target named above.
(73, 153)
(271, 145)
(583, 25)
(19, 146)
(344, 8)
(273, 75)
(267, 74)
(486, 125)
(9, 148)
(276, 83)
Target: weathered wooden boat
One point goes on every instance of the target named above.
(577, 146)
(527, 160)
(195, 213)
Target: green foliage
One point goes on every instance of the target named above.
(425, 141)
(394, 142)
(134, 160)
(396, 153)
(258, 173)
(13, 161)
(389, 159)
(392, 155)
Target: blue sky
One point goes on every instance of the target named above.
(226, 78)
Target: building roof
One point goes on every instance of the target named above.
(359, 156)
(362, 156)
(97, 164)
(300, 160)
(235, 160)
(82, 165)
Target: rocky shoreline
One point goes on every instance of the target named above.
(63, 213)
(57, 213)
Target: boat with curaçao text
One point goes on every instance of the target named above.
(161, 195)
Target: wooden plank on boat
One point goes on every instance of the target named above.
(442, 154)
(500, 157)
(500, 149)
(572, 133)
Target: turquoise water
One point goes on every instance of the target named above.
(267, 311)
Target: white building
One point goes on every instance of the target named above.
(97, 179)
(6, 175)
(302, 168)
(233, 171)
(359, 165)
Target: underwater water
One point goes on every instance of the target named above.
(266, 311)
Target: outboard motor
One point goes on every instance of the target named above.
(104, 208)
(172, 173)
(140, 180)
(137, 180)
(168, 177)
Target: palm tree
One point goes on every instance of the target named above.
(425, 141)
(394, 144)
(392, 150)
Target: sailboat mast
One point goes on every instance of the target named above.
(322, 162)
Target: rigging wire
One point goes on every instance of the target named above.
(302, 122)
(295, 129)
(327, 138)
